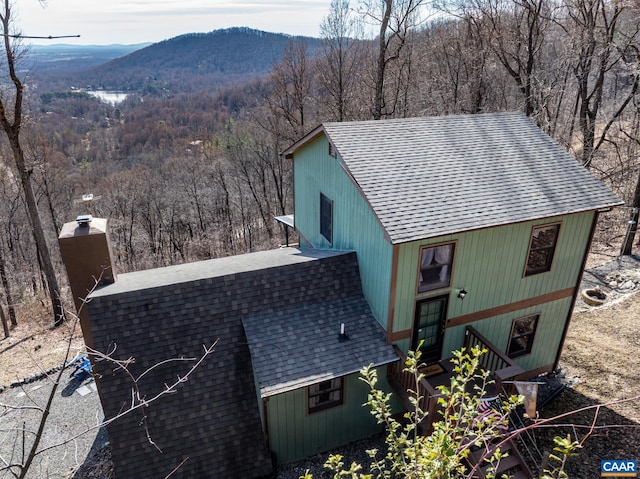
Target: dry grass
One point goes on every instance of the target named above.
(601, 354)
(602, 346)
(34, 345)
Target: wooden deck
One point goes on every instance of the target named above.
(501, 368)
(402, 382)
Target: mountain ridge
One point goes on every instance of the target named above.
(190, 61)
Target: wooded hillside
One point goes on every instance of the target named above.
(197, 173)
(196, 62)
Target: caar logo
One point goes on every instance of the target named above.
(618, 468)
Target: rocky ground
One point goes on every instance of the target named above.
(617, 279)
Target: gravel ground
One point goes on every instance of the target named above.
(354, 452)
(71, 414)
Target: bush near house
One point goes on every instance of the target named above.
(467, 426)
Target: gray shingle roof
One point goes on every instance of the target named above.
(171, 312)
(427, 177)
(300, 346)
(213, 268)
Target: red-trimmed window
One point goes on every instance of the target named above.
(325, 395)
(435, 267)
(541, 248)
(523, 331)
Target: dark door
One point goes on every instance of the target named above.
(429, 327)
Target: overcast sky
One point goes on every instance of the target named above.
(103, 22)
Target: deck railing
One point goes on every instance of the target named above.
(501, 367)
(499, 364)
(403, 382)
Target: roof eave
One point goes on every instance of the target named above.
(312, 135)
(600, 209)
(274, 390)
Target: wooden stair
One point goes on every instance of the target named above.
(424, 427)
(514, 464)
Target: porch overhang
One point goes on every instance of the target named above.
(286, 220)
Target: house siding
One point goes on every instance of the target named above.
(294, 434)
(497, 328)
(490, 264)
(355, 227)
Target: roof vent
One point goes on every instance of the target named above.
(84, 220)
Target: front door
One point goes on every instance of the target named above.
(429, 327)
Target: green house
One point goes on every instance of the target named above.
(445, 232)
(467, 229)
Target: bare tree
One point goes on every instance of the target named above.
(49, 174)
(250, 170)
(5, 324)
(8, 295)
(455, 64)
(341, 35)
(476, 64)
(10, 225)
(122, 208)
(394, 19)
(291, 84)
(594, 27)
(11, 111)
(632, 226)
(515, 32)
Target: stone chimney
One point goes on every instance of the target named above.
(86, 252)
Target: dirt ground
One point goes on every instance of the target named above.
(601, 363)
(35, 345)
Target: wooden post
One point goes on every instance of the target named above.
(633, 222)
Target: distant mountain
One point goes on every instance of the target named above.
(65, 58)
(191, 62)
